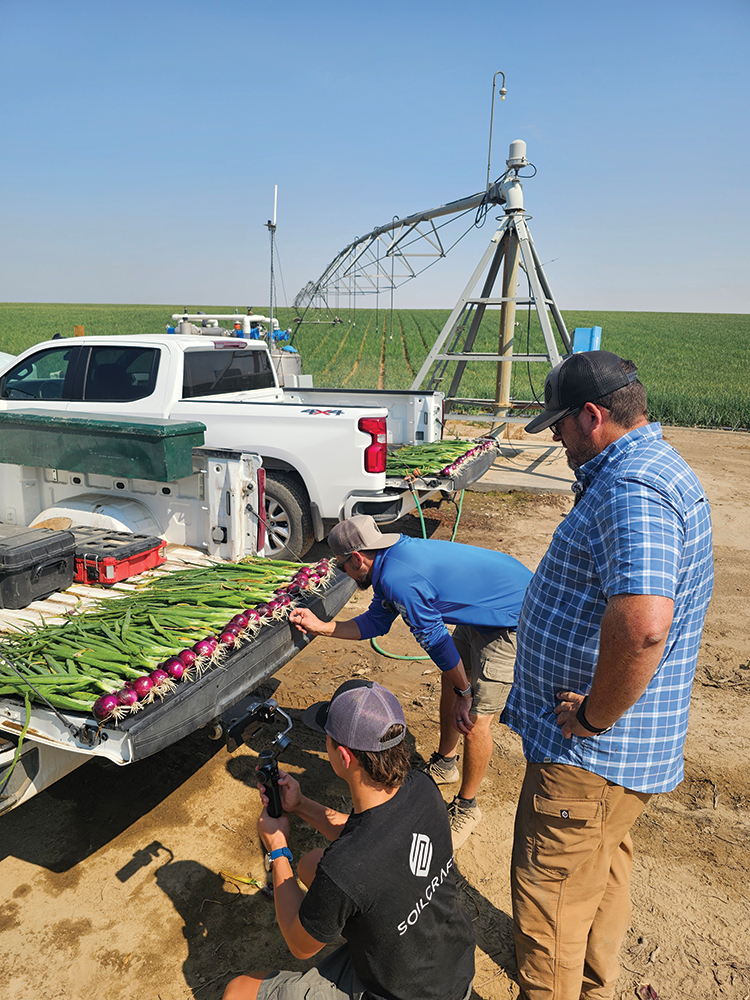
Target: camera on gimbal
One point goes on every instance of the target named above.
(241, 723)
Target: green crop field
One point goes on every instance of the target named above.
(694, 365)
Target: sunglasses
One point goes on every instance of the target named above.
(555, 428)
(341, 563)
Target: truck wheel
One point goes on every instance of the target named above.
(289, 531)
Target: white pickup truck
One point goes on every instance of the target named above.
(164, 435)
(323, 450)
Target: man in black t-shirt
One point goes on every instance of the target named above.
(385, 883)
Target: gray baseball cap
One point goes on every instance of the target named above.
(357, 534)
(580, 378)
(358, 715)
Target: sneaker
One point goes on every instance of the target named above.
(462, 822)
(440, 772)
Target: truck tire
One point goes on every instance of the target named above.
(289, 531)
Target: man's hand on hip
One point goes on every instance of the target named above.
(569, 703)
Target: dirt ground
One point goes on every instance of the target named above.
(112, 880)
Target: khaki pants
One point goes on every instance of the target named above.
(570, 881)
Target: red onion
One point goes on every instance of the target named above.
(240, 621)
(252, 616)
(274, 606)
(175, 668)
(187, 656)
(142, 687)
(262, 610)
(106, 706)
(284, 600)
(127, 697)
(228, 639)
(158, 676)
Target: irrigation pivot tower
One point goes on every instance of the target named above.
(386, 257)
(512, 247)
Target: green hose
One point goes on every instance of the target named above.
(395, 656)
(421, 515)
(373, 643)
(458, 515)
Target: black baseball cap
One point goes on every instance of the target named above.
(581, 378)
(358, 715)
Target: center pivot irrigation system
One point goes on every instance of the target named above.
(386, 257)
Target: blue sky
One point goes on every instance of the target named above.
(142, 142)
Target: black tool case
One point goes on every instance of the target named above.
(34, 563)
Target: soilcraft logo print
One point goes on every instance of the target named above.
(420, 855)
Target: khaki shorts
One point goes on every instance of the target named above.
(488, 658)
(333, 979)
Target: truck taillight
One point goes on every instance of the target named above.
(375, 453)
(261, 542)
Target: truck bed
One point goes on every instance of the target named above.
(405, 492)
(470, 472)
(157, 726)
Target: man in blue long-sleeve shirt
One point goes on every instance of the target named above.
(431, 584)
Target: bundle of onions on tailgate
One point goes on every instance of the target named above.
(441, 458)
(127, 652)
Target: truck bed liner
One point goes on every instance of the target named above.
(192, 705)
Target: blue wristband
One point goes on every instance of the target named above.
(280, 852)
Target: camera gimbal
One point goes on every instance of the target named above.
(239, 729)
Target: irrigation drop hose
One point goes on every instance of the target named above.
(373, 642)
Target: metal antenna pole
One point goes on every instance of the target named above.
(271, 226)
(503, 92)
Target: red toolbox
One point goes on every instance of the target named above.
(106, 557)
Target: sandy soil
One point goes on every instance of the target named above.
(112, 883)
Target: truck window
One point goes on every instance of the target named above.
(42, 376)
(120, 374)
(211, 373)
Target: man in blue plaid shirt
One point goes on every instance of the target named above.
(607, 648)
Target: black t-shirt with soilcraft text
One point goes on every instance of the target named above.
(387, 885)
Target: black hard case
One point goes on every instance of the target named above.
(34, 563)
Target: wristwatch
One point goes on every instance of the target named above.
(466, 693)
(280, 852)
